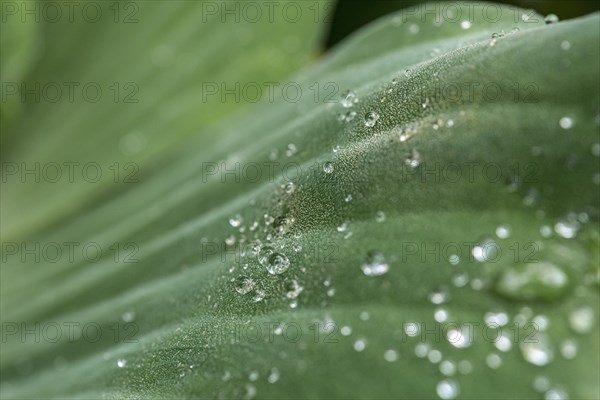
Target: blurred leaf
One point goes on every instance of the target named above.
(130, 84)
(526, 243)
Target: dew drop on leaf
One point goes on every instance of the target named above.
(447, 389)
(244, 285)
(375, 264)
(328, 167)
(371, 119)
(348, 98)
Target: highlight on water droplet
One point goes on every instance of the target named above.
(121, 363)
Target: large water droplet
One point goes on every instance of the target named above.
(375, 264)
(551, 19)
(121, 363)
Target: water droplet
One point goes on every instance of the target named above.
(460, 280)
(230, 240)
(537, 351)
(348, 98)
(328, 167)
(346, 331)
(347, 117)
(556, 394)
(297, 248)
(440, 315)
(331, 292)
(375, 264)
(447, 368)
(274, 376)
(121, 363)
(566, 123)
(253, 377)
(235, 221)
(596, 149)
(244, 285)
(259, 295)
(546, 231)
(465, 367)
(364, 316)
(411, 329)
(503, 343)
(413, 160)
(289, 188)
(390, 355)
(493, 361)
(503, 232)
(371, 119)
(447, 389)
(348, 198)
(293, 289)
(495, 35)
(567, 229)
(434, 356)
(291, 150)
(394, 81)
(380, 216)
(421, 350)
(541, 322)
(277, 263)
(551, 19)
(438, 297)
(541, 384)
(414, 29)
(250, 391)
(342, 228)
(294, 304)
(359, 345)
(532, 281)
(128, 316)
(515, 30)
(494, 320)
(459, 338)
(568, 349)
(581, 319)
(565, 45)
(466, 24)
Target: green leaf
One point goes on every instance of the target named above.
(465, 211)
(129, 85)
